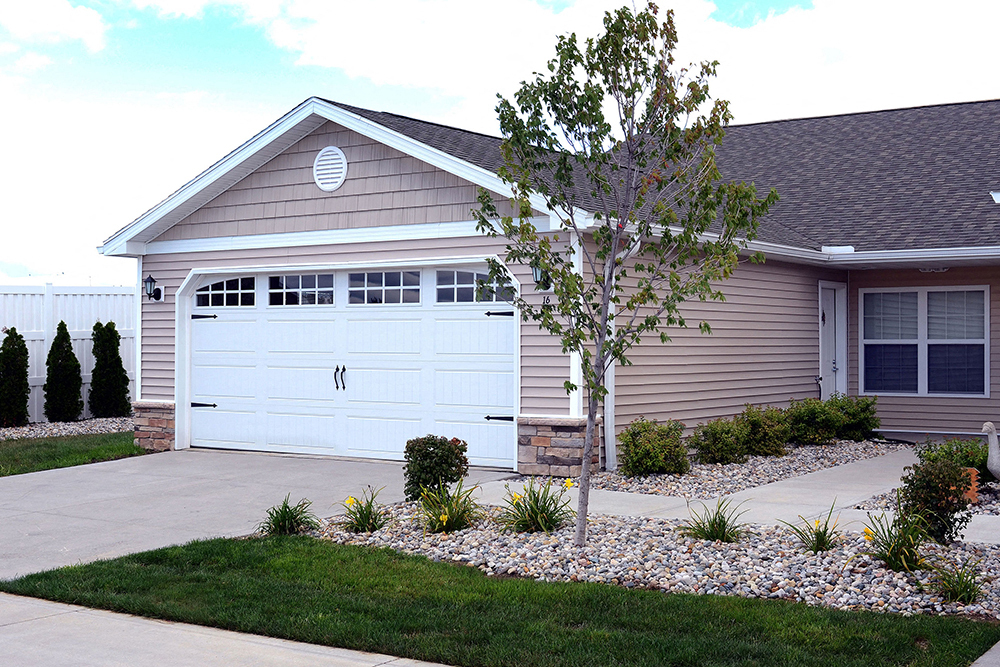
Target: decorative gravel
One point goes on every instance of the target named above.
(989, 501)
(713, 480)
(637, 552)
(55, 429)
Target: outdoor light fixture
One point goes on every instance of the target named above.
(152, 291)
(541, 278)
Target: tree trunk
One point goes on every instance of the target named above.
(580, 537)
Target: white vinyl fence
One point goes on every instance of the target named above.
(36, 311)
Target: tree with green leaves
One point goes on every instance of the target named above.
(63, 382)
(620, 144)
(14, 388)
(109, 395)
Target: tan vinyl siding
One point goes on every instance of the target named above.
(543, 366)
(763, 349)
(925, 414)
(383, 187)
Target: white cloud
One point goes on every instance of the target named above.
(31, 62)
(8, 47)
(53, 21)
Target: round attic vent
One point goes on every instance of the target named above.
(330, 169)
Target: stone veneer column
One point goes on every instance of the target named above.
(553, 446)
(154, 425)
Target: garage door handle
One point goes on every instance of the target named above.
(335, 371)
(204, 317)
(343, 382)
(502, 419)
(204, 405)
(500, 313)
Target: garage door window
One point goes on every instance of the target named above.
(464, 287)
(314, 289)
(232, 292)
(383, 287)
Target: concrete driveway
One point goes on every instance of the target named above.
(74, 515)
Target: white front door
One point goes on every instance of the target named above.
(832, 339)
(356, 377)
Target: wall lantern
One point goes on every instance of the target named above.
(541, 277)
(152, 291)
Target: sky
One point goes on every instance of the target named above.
(108, 106)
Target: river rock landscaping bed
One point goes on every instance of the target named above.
(713, 480)
(989, 501)
(637, 552)
(59, 429)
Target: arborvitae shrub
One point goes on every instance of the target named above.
(433, 461)
(63, 382)
(860, 418)
(109, 396)
(813, 422)
(765, 430)
(720, 441)
(14, 389)
(646, 448)
(936, 490)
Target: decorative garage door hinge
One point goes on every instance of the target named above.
(204, 317)
(502, 419)
(204, 405)
(500, 313)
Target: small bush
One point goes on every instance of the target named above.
(433, 460)
(445, 510)
(109, 396)
(365, 515)
(287, 519)
(765, 430)
(971, 453)
(819, 535)
(647, 448)
(860, 419)
(63, 382)
(14, 388)
(715, 525)
(897, 542)
(936, 489)
(813, 422)
(957, 584)
(719, 441)
(538, 509)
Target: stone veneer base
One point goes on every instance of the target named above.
(154, 425)
(553, 446)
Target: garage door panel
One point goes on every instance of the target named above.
(489, 442)
(302, 337)
(224, 337)
(300, 383)
(223, 381)
(222, 427)
(385, 386)
(484, 389)
(474, 336)
(383, 336)
(306, 430)
(385, 437)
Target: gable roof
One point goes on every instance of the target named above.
(889, 183)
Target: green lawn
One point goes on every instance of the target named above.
(378, 600)
(20, 456)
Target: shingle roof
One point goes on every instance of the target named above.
(886, 180)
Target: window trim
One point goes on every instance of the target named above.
(921, 341)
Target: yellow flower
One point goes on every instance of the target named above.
(869, 535)
(517, 497)
(444, 518)
(568, 483)
(350, 501)
(817, 524)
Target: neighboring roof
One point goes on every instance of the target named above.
(904, 179)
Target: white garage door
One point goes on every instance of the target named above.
(353, 364)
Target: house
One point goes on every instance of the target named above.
(316, 291)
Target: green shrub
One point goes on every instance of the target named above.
(719, 441)
(897, 542)
(957, 584)
(288, 519)
(765, 430)
(860, 419)
(538, 509)
(63, 382)
(365, 515)
(447, 510)
(720, 524)
(936, 489)
(14, 388)
(432, 461)
(109, 396)
(819, 535)
(813, 422)
(647, 448)
(966, 453)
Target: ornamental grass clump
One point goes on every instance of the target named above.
(364, 515)
(648, 448)
(962, 584)
(288, 519)
(896, 542)
(720, 524)
(819, 535)
(539, 509)
(445, 511)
